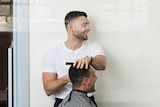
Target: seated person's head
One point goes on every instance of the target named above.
(82, 79)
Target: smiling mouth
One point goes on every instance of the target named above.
(86, 33)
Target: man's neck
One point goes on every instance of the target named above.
(73, 44)
(80, 89)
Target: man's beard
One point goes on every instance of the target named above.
(81, 36)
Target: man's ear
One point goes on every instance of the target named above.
(70, 27)
(85, 81)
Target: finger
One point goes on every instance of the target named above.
(78, 65)
(82, 65)
(75, 63)
(86, 65)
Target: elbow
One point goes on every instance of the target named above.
(48, 93)
(101, 63)
(103, 67)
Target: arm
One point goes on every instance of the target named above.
(98, 62)
(51, 84)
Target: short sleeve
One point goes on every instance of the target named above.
(48, 64)
(98, 49)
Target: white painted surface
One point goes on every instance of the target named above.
(129, 32)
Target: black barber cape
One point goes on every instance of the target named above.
(77, 98)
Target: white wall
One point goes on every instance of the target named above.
(129, 32)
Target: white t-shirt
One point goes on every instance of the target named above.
(55, 61)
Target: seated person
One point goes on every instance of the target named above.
(83, 81)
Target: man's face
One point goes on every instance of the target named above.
(81, 28)
(91, 80)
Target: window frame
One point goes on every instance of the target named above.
(20, 53)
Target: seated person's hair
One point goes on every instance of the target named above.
(77, 75)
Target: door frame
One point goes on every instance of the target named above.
(21, 53)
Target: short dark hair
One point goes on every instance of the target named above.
(77, 75)
(72, 15)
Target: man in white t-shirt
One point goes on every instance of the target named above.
(75, 49)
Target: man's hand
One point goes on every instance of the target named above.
(80, 63)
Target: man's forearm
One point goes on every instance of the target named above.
(99, 62)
